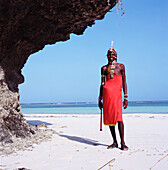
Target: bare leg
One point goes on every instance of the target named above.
(121, 132)
(112, 129)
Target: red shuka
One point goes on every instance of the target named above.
(112, 100)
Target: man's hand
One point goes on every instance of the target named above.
(100, 105)
(125, 103)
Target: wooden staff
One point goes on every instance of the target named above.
(107, 163)
(158, 161)
(101, 119)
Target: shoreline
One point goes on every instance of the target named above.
(76, 114)
(78, 143)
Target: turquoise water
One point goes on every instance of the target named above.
(92, 108)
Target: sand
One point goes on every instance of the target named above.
(78, 144)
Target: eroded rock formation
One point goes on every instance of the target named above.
(25, 28)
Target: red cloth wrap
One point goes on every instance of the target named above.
(112, 100)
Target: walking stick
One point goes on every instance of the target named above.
(101, 119)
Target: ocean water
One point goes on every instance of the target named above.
(160, 107)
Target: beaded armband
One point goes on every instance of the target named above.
(100, 98)
(102, 76)
(125, 96)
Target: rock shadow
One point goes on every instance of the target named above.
(37, 122)
(83, 140)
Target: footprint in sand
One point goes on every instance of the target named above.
(63, 126)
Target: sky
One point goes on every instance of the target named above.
(70, 71)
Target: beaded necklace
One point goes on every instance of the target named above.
(111, 69)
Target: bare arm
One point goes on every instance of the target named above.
(124, 84)
(101, 86)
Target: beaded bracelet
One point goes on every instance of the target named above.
(125, 95)
(100, 98)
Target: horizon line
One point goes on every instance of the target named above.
(132, 101)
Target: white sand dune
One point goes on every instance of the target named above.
(80, 145)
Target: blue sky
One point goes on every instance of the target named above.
(70, 71)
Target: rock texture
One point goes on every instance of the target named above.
(25, 28)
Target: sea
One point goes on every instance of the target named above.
(150, 107)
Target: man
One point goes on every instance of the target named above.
(113, 79)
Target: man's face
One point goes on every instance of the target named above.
(111, 57)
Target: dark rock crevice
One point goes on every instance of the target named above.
(25, 28)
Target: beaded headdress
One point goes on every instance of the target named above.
(112, 50)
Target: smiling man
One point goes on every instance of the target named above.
(113, 79)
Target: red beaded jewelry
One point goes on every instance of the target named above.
(100, 98)
(125, 95)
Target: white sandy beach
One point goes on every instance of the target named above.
(80, 145)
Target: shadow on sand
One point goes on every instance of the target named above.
(37, 122)
(83, 140)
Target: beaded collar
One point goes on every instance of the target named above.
(111, 69)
